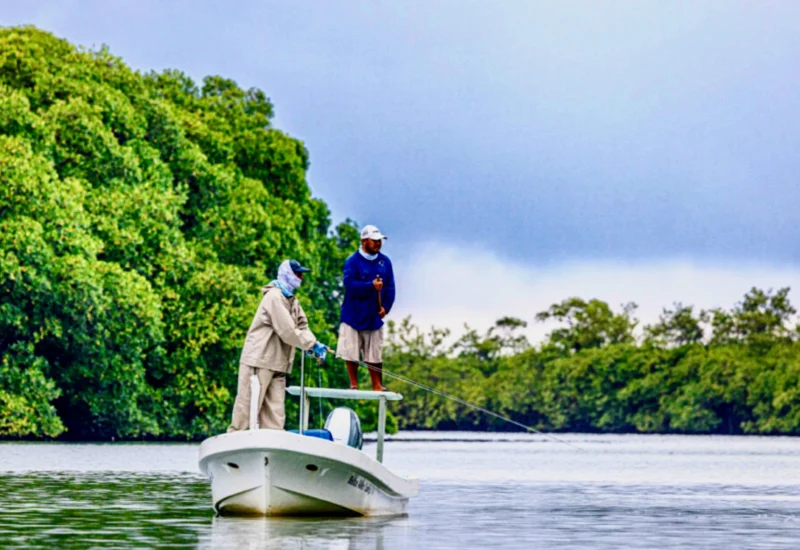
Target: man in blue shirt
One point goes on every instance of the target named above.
(369, 294)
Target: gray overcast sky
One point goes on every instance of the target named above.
(546, 131)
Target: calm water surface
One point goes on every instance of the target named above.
(501, 491)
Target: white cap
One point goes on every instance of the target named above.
(372, 232)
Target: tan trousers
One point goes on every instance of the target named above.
(271, 412)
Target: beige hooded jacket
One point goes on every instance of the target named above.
(279, 326)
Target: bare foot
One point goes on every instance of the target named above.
(379, 388)
(353, 387)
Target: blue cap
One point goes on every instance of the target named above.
(297, 268)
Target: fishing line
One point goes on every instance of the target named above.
(468, 404)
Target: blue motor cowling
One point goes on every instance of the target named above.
(345, 427)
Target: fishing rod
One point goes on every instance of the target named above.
(465, 403)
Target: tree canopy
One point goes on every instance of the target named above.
(139, 216)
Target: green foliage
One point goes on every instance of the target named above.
(759, 319)
(139, 217)
(590, 324)
(591, 375)
(467, 368)
(676, 327)
(26, 395)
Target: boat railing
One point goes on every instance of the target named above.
(381, 397)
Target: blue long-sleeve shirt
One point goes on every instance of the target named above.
(360, 307)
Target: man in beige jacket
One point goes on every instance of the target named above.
(279, 326)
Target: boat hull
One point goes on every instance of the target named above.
(277, 473)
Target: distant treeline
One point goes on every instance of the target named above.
(141, 213)
(718, 371)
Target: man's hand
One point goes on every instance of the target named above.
(320, 351)
(378, 283)
(382, 312)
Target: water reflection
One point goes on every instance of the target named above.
(103, 509)
(630, 492)
(308, 534)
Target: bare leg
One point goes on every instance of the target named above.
(376, 375)
(352, 371)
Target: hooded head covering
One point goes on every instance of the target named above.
(287, 280)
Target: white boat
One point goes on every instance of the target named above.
(280, 473)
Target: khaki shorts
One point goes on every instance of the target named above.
(352, 341)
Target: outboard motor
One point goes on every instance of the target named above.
(345, 427)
